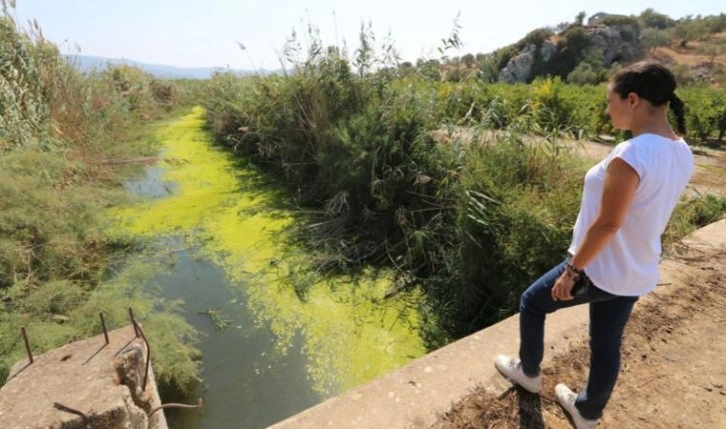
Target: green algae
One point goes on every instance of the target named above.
(350, 332)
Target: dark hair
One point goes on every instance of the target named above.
(653, 82)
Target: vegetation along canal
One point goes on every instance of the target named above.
(268, 349)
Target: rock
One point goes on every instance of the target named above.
(519, 68)
(618, 43)
(547, 50)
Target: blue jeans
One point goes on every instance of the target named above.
(608, 315)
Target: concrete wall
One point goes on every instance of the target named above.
(101, 381)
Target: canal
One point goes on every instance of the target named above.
(276, 336)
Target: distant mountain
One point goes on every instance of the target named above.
(86, 63)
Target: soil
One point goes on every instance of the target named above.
(673, 371)
(689, 55)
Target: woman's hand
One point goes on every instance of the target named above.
(562, 289)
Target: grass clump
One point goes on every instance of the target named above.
(691, 213)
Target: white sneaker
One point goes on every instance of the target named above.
(567, 398)
(512, 369)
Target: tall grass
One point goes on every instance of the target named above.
(461, 188)
(59, 130)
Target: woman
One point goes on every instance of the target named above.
(627, 201)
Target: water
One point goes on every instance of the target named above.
(249, 384)
(277, 354)
(151, 184)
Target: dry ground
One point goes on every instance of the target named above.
(689, 55)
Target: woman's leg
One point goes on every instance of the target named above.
(607, 323)
(535, 304)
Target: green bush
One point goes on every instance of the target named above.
(705, 112)
(515, 215)
(535, 37)
(621, 21)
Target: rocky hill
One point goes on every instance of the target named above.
(588, 52)
(560, 53)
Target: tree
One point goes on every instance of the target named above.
(652, 19)
(716, 23)
(710, 50)
(431, 69)
(689, 29)
(577, 40)
(580, 18)
(652, 38)
(468, 60)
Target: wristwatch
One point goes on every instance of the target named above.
(573, 268)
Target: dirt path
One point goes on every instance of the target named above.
(709, 177)
(674, 359)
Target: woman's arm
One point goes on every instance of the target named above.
(621, 181)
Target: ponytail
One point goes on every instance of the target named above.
(677, 105)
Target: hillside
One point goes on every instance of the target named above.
(587, 53)
(694, 62)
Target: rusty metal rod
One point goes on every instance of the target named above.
(175, 405)
(68, 409)
(148, 355)
(103, 325)
(133, 322)
(27, 344)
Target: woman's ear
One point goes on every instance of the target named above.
(633, 99)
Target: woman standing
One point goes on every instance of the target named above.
(627, 201)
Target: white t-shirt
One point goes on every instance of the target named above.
(628, 265)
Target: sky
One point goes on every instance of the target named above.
(207, 33)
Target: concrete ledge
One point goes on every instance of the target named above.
(416, 395)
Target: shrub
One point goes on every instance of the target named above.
(535, 37)
(517, 205)
(583, 74)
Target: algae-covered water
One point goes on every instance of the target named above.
(268, 351)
